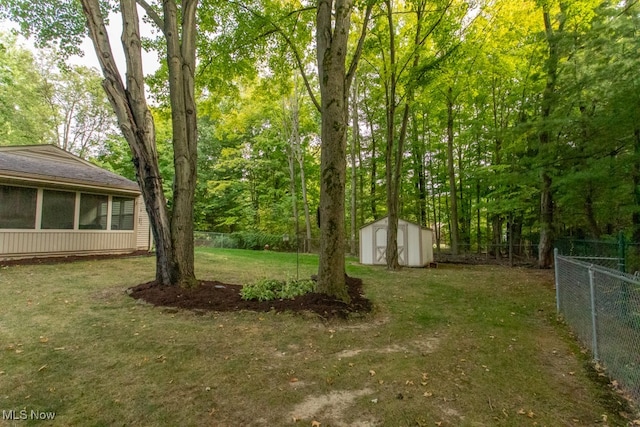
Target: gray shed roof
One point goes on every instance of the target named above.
(50, 164)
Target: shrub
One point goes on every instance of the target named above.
(270, 289)
(257, 240)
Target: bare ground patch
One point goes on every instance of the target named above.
(331, 407)
(420, 346)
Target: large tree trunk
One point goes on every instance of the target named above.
(390, 86)
(332, 49)
(172, 231)
(332, 35)
(181, 59)
(545, 246)
(395, 149)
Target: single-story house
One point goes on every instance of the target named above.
(53, 203)
(415, 243)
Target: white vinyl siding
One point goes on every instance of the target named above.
(143, 226)
(56, 242)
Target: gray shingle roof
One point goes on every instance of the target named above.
(50, 163)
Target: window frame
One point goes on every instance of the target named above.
(36, 208)
(122, 215)
(74, 197)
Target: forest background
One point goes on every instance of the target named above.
(491, 122)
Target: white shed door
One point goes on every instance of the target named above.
(380, 245)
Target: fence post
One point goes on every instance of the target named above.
(594, 328)
(621, 252)
(557, 275)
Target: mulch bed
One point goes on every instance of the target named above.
(69, 258)
(217, 296)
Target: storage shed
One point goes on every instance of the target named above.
(53, 203)
(415, 243)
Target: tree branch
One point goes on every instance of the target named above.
(356, 56)
(151, 13)
(287, 39)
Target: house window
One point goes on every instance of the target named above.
(17, 207)
(122, 214)
(93, 212)
(58, 209)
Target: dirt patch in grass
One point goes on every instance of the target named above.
(217, 296)
(332, 405)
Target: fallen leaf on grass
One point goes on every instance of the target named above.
(43, 339)
(293, 380)
(43, 367)
(372, 372)
(529, 414)
(427, 394)
(315, 423)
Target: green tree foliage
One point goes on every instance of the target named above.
(25, 117)
(492, 122)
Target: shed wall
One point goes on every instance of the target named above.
(366, 245)
(418, 243)
(413, 248)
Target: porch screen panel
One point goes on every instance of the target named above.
(58, 209)
(122, 213)
(93, 212)
(17, 207)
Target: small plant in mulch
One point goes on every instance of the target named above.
(271, 289)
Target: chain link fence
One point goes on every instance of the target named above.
(602, 306)
(625, 252)
(262, 241)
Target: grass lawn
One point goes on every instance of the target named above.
(452, 346)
